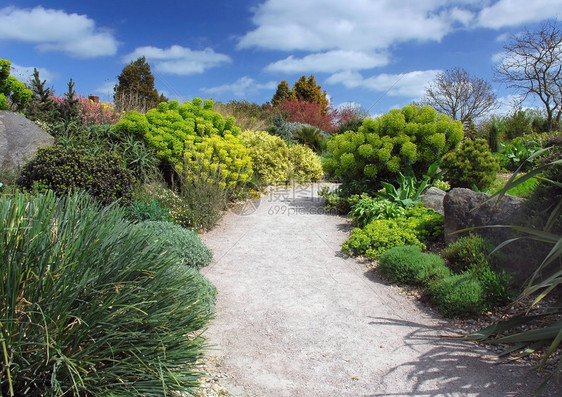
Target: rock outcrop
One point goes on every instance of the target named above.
(19, 140)
(433, 198)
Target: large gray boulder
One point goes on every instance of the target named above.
(433, 198)
(465, 208)
(19, 140)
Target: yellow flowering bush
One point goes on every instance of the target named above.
(306, 165)
(270, 156)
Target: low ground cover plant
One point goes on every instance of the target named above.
(417, 226)
(89, 305)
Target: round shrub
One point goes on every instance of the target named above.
(305, 164)
(270, 156)
(468, 252)
(91, 306)
(377, 237)
(66, 169)
(140, 211)
(411, 138)
(223, 160)
(458, 295)
(185, 244)
(408, 265)
(471, 164)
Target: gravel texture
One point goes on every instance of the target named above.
(295, 317)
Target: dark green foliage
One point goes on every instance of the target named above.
(458, 295)
(183, 243)
(140, 211)
(282, 94)
(312, 137)
(408, 265)
(135, 88)
(336, 202)
(471, 164)
(90, 306)
(494, 131)
(66, 169)
(468, 252)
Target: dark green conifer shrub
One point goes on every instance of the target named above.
(471, 165)
(67, 169)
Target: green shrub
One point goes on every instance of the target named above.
(223, 160)
(416, 226)
(270, 156)
(458, 295)
(471, 165)
(410, 138)
(468, 252)
(335, 202)
(140, 211)
(368, 209)
(183, 243)
(63, 170)
(377, 237)
(408, 265)
(90, 306)
(305, 164)
(169, 127)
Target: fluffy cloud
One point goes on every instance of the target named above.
(518, 12)
(56, 30)
(410, 85)
(329, 62)
(241, 87)
(360, 25)
(179, 60)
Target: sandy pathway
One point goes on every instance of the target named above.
(296, 318)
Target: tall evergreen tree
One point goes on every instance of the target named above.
(307, 90)
(135, 88)
(283, 93)
(42, 106)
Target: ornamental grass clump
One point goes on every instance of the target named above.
(91, 306)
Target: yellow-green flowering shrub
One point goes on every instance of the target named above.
(305, 164)
(168, 127)
(224, 160)
(270, 156)
(408, 138)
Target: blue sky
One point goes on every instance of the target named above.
(378, 54)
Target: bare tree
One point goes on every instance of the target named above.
(533, 65)
(459, 95)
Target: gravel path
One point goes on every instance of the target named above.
(297, 318)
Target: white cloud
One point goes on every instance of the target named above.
(241, 87)
(411, 84)
(179, 60)
(25, 73)
(517, 12)
(56, 30)
(357, 25)
(331, 61)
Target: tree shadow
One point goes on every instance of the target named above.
(455, 366)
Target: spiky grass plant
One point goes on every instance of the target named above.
(90, 306)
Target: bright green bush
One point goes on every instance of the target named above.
(270, 156)
(377, 237)
(167, 128)
(367, 209)
(471, 164)
(14, 94)
(410, 138)
(90, 306)
(184, 243)
(66, 169)
(406, 264)
(305, 164)
(416, 226)
(215, 158)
